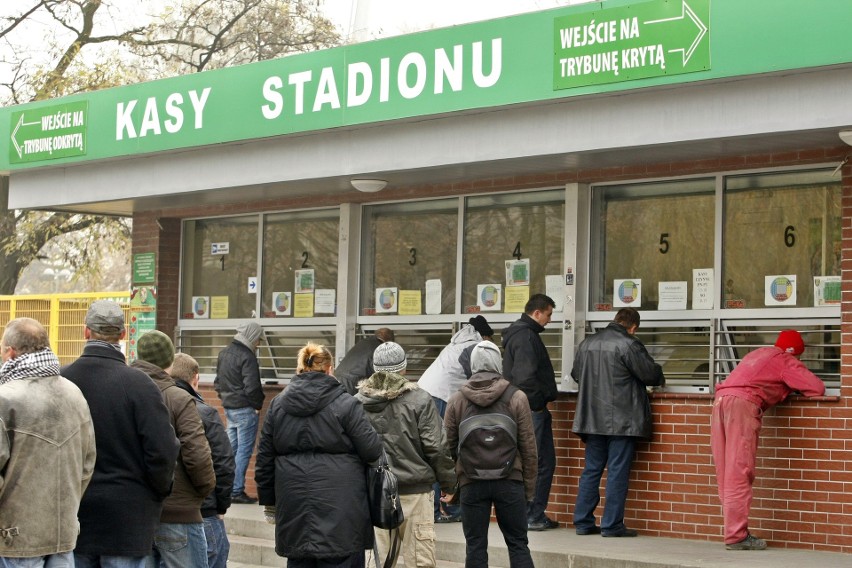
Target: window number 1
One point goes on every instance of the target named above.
(664, 243)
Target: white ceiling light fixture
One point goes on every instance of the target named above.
(846, 136)
(368, 185)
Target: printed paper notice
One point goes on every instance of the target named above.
(282, 303)
(303, 306)
(386, 300)
(201, 307)
(780, 290)
(219, 307)
(410, 302)
(554, 286)
(702, 288)
(672, 295)
(324, 301)
(488, 297)
(433, 296)
(304, 281)
(628, 293)
(826, 290)
(516, 299)
(518, 272)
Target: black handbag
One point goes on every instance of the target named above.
(383, 494)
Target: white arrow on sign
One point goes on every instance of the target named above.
(21, 123)
(702, 31)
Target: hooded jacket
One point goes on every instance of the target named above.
(613, 368)
(47, 456)
(407, 421)
(219, 500)
(238, 377)
(526, 363)
(483, 389)
(357, 364)
(136, 454)
(194, 476)
(314, 447)
(451, 369)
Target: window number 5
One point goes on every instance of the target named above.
(664, 243)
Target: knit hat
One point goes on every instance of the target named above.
(389, 357)
(480, 324)
(248, 332)
(790, 341)
(156, 348)
(486, 357)
(105, 316)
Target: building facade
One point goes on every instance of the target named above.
(685, 158)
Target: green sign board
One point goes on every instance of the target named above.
(50, 132)
(635, 41)
(144, 268)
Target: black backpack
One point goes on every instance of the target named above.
(488, 439)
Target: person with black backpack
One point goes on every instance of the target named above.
(490, 434)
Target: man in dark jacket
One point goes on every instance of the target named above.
(185, 373)
(526, 364)
(612, 368)
(238, 384)
(509, 495)
(181, 520)
(357, 365)
(136, 448)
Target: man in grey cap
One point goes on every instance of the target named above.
(238, 384)
(136, 448)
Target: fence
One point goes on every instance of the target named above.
(63, 315)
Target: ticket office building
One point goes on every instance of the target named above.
(717, 201)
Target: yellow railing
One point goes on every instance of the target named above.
(63, 315)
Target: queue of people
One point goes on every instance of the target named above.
(148, 468)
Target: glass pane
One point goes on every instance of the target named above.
(406, 244)
(219, 276)
(501, 228)
(298, 241)
(654, 233)
(781, 225)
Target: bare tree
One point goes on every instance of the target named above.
(92, 44)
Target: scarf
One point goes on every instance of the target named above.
(41, 363)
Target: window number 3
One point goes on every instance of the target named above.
(664, 243)
(412, 256)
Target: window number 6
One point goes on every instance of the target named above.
(790, 236)
(664, 243)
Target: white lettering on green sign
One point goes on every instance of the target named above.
(365, 84)
(45, 133)
(171, 110)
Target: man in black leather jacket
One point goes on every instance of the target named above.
(613, 412)
(527, 365)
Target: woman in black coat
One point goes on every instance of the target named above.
(314, 446)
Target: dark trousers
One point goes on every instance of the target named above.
(615, 453)
(543, 428)
(509, 506)
(451, 510)
(354, 561)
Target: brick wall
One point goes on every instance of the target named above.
(803, 490)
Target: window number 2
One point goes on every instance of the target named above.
(305, 257)
(664, 243)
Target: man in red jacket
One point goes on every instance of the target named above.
(764, 378)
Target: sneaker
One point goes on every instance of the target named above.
(243, 499)
(542, 525)
(621, 533)
(748, 543)
(584, 531)
(448, 519)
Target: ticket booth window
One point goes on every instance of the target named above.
(782, 240)
(512, 242)
(407, 248)
(650, 239)
(300, 256)
(219, 257)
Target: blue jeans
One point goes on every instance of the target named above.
(218, 546)
(615, 453)
(510, 504)
(543, 429)
(179, 545)
(61, 560)
(451, 510)
(242, 432)
(92, 561)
